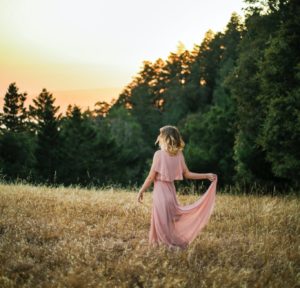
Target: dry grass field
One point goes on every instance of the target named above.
(72, 237)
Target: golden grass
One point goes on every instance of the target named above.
(71, 237)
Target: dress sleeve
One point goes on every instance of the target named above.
(168, 168)
(183, 164)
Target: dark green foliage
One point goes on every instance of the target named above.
(245, 86)
(88, 155)
(175, 104)
(17, 159)
(14, 112)
(280, 94)
(17, 144)
(48, 139)
(235, 97)
(281, 136)
(144, 100)
(210, 139)
(132, 149)
(78, 137)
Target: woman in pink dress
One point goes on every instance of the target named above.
(174, 225)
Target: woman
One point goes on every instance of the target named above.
(174, 225)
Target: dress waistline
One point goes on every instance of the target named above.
(160, 180)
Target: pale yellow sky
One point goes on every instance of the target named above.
(95, 45)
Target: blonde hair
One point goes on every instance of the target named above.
(170, 139)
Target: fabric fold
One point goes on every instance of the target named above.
(173, 224)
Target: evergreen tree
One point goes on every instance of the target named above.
(77, 136)
(280, 94)
(209, 143)
(176, 99)
(143, 100)
(235, 97)
(88, 154)
(17, 159)
(101, 109)
(210, 134)
(203, 71)
(245, 86)
(43, 114)
(127, 133)
(14, 113)
(16, 142)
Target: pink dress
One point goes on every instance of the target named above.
(171, 223)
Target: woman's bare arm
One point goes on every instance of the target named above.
(199, 176)
(148, 181)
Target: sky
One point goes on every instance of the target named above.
(84, 51)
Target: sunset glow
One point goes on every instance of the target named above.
(88, 45)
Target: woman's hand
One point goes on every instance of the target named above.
(211, 176)
(140, 197)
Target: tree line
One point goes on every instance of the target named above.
(235, 98)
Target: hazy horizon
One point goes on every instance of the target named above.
(84, 98)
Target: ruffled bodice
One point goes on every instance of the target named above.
(168, 168)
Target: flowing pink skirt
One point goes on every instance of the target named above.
(176, 225)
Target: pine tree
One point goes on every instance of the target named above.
(43, 113)
(245, 86)
(127, 133)
(16, 142)
(78, 138)
(17, 159)
(280, 133)
(14, 112)
(143, 99)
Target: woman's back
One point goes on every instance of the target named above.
(168, 167)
